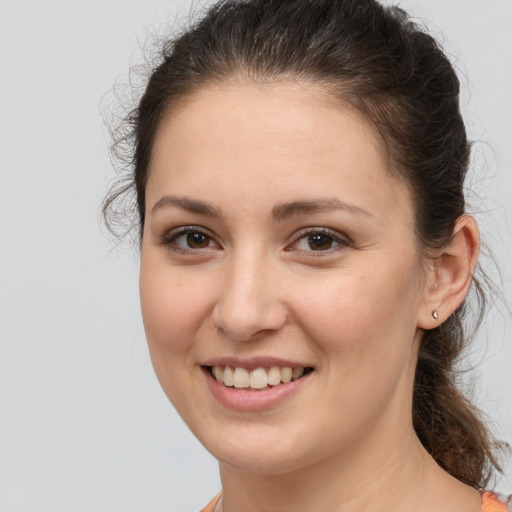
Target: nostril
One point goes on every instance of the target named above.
(248, 321)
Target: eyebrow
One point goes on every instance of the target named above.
(190, 205)
(280, 212)
(286, 210)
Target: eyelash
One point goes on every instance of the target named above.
(170, 240)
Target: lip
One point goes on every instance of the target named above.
(253, 401)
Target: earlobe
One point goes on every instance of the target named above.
(450, 274)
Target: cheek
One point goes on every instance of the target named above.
(362, 315)
(172, 309)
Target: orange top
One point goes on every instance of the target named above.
(491, 502)
(211, 506)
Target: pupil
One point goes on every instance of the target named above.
(197, 240)
(318, 242)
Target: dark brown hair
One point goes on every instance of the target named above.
(376, 60)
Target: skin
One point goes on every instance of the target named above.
(353, 310)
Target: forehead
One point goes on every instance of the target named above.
(244, 137)
(288, 110)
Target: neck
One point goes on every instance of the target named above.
(393, 480)
(369, 478)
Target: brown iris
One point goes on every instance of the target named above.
(320, 242)
(197, 240)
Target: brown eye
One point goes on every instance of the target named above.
(189, 239)
(197, 240)
(320, 242)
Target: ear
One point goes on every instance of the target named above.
(450, 273)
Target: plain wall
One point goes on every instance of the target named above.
(84, 425)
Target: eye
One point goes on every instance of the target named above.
(189, 239)
(318, 240)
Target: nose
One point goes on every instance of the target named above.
(249, 304)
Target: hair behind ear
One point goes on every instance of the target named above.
(448, 425)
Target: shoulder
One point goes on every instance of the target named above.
(493, 502)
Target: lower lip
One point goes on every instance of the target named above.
(253, 401)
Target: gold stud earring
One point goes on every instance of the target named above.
(435, 314)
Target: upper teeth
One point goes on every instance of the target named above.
(258, 378)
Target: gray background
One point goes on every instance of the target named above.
(83, 423)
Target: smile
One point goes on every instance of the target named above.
(257, 379)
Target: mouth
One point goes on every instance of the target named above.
(257, 379)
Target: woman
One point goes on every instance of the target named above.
(305, 257)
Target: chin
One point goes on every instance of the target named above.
(263, 454)
(262, 463)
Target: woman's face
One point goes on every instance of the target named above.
(276, 242)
